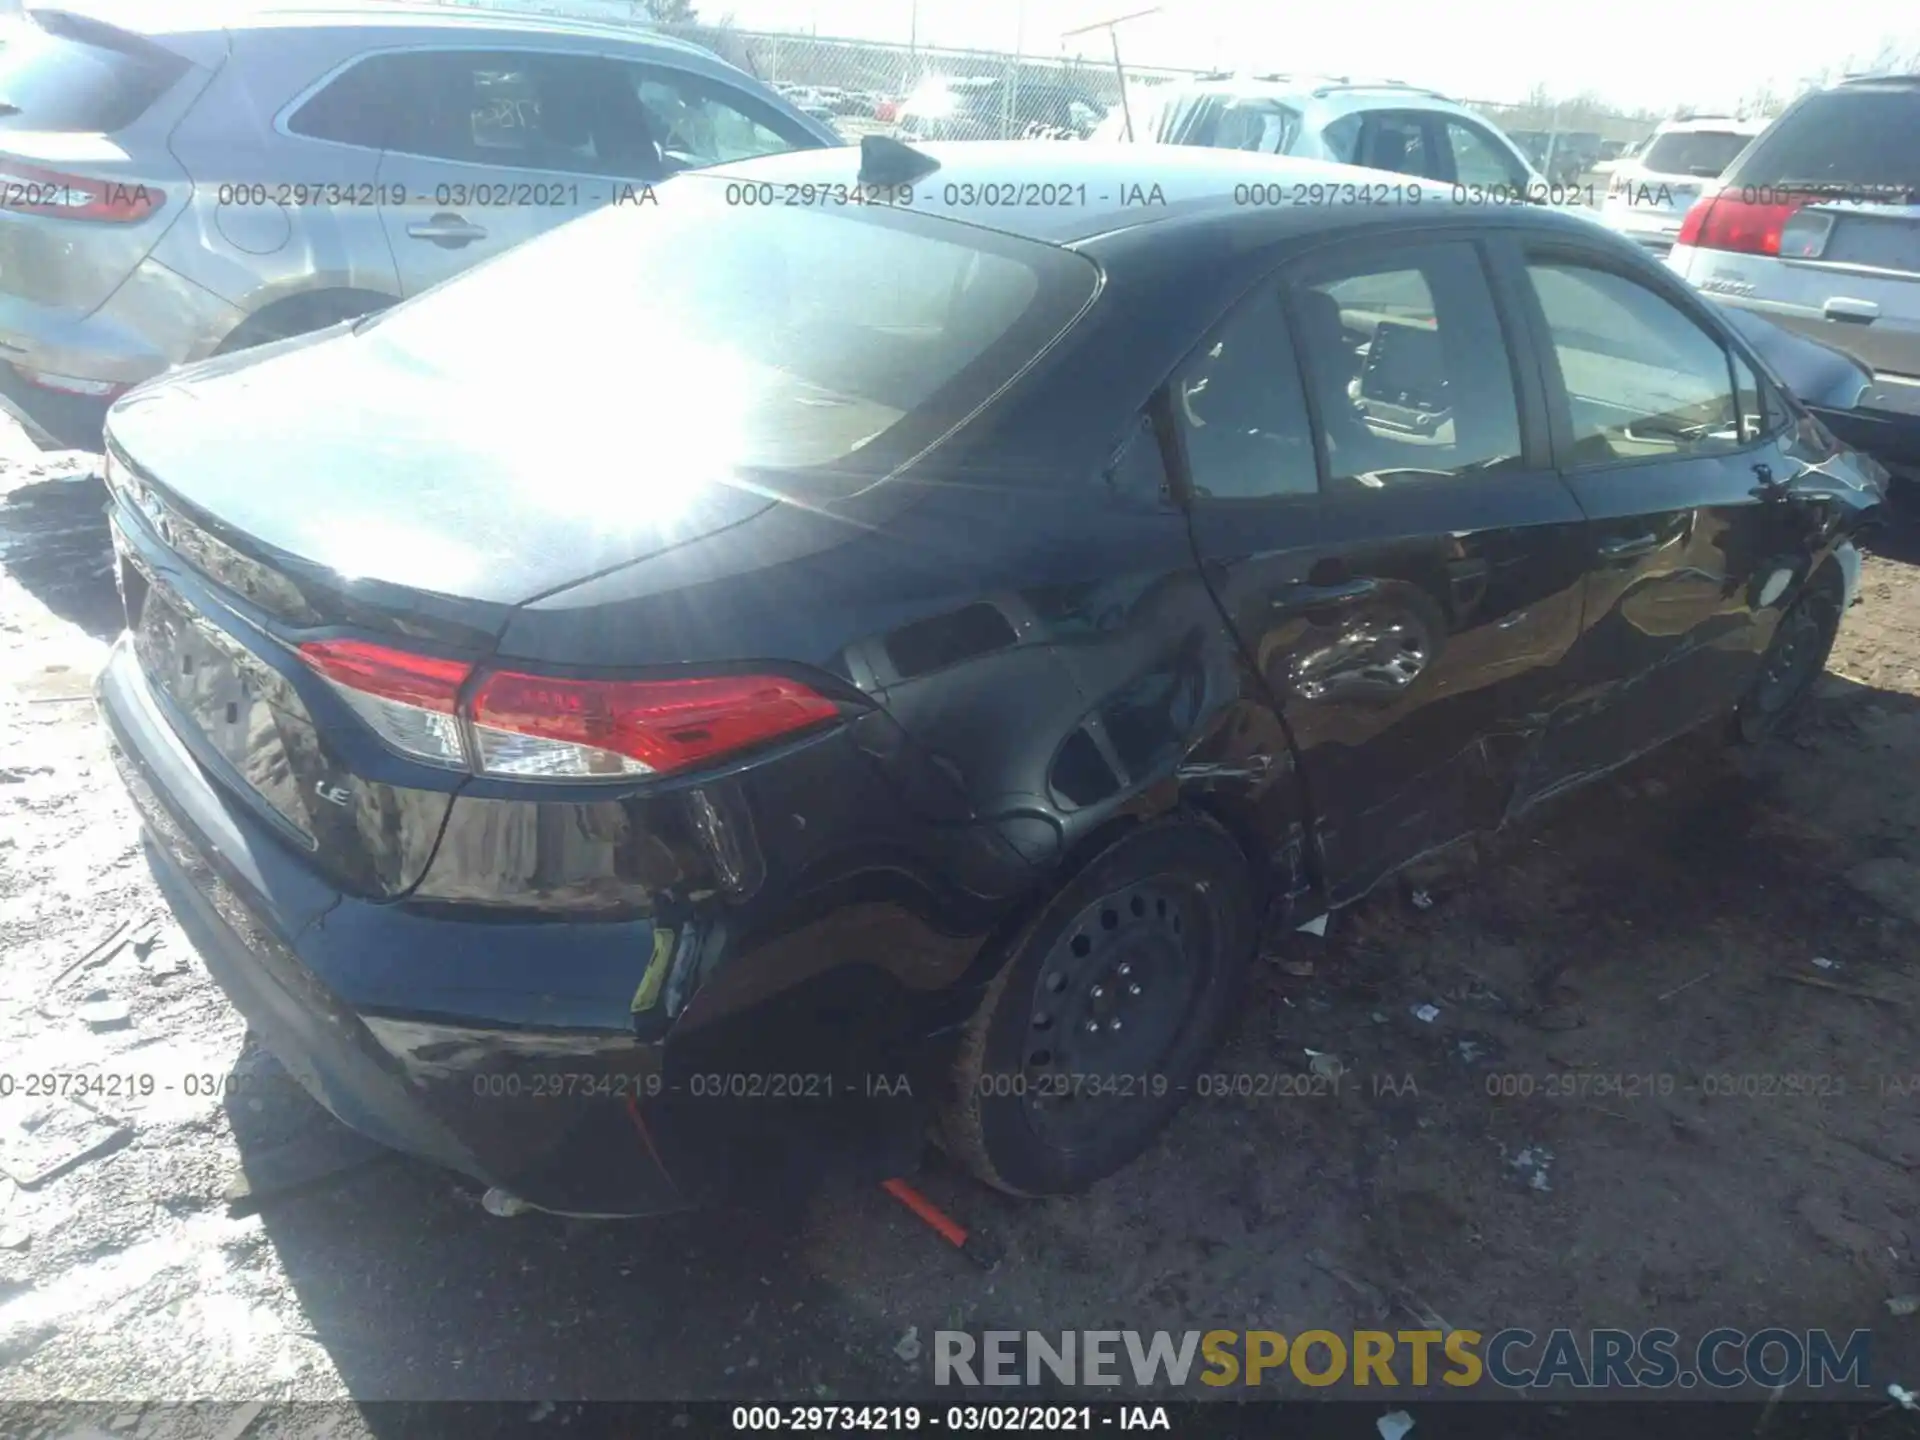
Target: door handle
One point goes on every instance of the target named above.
(1290, 598)
(1629, 547)
(1856, 312)
(447, 230)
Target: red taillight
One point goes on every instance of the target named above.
(36, 190)
(540, 725)
(558, 728)
(1730, 223)
(410, 700)
(1695, 219)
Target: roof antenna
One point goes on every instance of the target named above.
(885, 161)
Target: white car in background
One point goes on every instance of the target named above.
(1383, 125)
(1649, 194)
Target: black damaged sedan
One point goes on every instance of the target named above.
(732, 685)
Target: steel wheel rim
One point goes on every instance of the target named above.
(1791, 662)
(1110, 1003)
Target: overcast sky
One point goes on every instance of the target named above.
(1655, 53)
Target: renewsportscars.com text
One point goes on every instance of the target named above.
(1514, 1359)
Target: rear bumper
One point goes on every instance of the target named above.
(154, 320)
(580, 1118)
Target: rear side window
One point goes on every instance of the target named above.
(532, 111)
(1409, 367)
(352, 109)
(1855, 139)
(732, 340)
(1241, 412)
(1643, 380)
(696, 121)
(69, 75)
(1694, 152)
(1399, 142)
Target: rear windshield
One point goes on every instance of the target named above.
(721, 336)
(1694, 152)
(1863, 141)
(86, 78)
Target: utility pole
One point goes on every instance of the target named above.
(1112, 27)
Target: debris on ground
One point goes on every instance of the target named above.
(1821, 962)
(1422, 900)
(1667, 995)
(106, 1014)
(1903, 1305)
(1394, 1425)
(1324, 1066)
(55, 1136)
(1426, 1014)
(907, 1347)
(1532, 1163)
(1303, 969)
(498, 1202)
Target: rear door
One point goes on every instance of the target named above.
(1404, 571)
(1831, 197)
(487, 148)
(1658, 427)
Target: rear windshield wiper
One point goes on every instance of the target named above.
(7, 107)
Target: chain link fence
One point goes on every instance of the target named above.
(868, 87)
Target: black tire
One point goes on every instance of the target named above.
(1795, 658)
(1165, 913)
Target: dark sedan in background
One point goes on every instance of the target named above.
(724, 687)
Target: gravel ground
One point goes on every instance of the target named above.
(1653, 926)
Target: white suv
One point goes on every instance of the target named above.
(1816, 225)
(1384, 125)
(1649, 194)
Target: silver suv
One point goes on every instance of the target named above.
(172, 186)
(1817, 224)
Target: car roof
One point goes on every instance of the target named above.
(183, 17)
(1718, 124)
(1067, 192)
(1301, 88)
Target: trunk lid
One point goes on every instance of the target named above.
(390, 492)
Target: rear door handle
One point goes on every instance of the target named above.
(1290, 598)
(1629, 547)
(447, 230)
(1858, 312)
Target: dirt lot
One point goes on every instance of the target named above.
(1654, 927)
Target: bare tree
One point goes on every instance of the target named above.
(669, 12)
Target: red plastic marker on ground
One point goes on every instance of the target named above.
(943, 1225)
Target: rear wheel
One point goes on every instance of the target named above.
(301, 315)
(1794, 660)
(1110, 1001)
